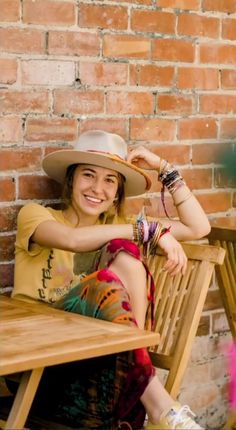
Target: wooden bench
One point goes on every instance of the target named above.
(178, 306)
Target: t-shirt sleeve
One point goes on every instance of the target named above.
(29, 218)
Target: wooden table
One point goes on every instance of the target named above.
(34, 336)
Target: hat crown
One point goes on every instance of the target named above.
(102, 142)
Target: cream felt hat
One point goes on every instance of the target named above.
(100, 149)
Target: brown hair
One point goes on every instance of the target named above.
(68, 189)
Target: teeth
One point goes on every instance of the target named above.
(93, 199)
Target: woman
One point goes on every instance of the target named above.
(86, 258)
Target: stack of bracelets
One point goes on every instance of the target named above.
(148, 234)
(172, 180)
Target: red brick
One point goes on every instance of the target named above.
(7, 189)
(173, 50)
(174, 103)
(8, 70)
(24, 101)
(198, 178)
(151, 75)
(196, 77)
(6, 275)
(78, 102)
(8, 217)
(214, 54)
(142, 2)
(20, 40)
(129, 103)
(51, 129)
(112, 125)
(152, 129)
(44, 72)
(24, 159)
(38, 187)
(153, 21)
(103, 73)
(207, 153)
(126, 46)
(10, 10)
(49, 12)
(228, 6)
(7, 246)
(215, 202)
(180, 4)
(229, 29)
(197, 128)
(175, 154)
(10, 129)
(217, 104)
(73, 43)
(227, 128)
(228, 79)
(196, 25)
(103, 16)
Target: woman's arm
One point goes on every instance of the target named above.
(52, 234)
(192, 223)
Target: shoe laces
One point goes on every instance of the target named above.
(181, 417)
(124, 425)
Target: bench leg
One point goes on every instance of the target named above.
(24, 398)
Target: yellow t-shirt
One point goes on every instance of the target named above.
(41, 273)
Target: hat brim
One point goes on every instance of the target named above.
(56, 164)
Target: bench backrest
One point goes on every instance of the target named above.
(178, 306)
(226, 273)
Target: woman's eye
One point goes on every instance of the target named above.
(88, 175)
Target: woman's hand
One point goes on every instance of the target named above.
(143, 158)
(176, 258)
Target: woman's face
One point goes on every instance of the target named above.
(94, 190)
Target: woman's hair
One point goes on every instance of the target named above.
(67, 190)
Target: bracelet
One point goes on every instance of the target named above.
(184, 199)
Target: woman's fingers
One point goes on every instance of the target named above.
(176, 258)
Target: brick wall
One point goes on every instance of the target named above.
(158, 72)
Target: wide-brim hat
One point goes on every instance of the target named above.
(100, 149)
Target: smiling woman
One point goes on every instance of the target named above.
(87, 258)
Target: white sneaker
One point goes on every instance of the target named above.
(176, 418)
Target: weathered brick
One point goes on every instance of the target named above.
(103, 73)
(220, 103)
(180, 4)
(126, 46)
(8, 70)
(10, 10)
(173, 50)
(6, 275)
(112, 125)
(228, 6)
(129, 103)
(199, 78)
(229, 29)
(73, 43)
(78, 102)
(51, 129)
(7, 246)
(152, 129)
(44, 72)
(217, 53)
(7, 189)
(11, 129)
(196, 25)
(227, 128)
(197, 128)
(228, 79)
(207, 153)
(49, 12)
(173, 103)
(19, 40)
(215, 202)
(153, 21)
(38, 187)
(151, 75)
(8, 216)
(22, 159)
(103, 16)
(24, 101)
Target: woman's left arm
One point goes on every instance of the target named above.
(193, 222)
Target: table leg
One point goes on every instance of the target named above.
(23, 399)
